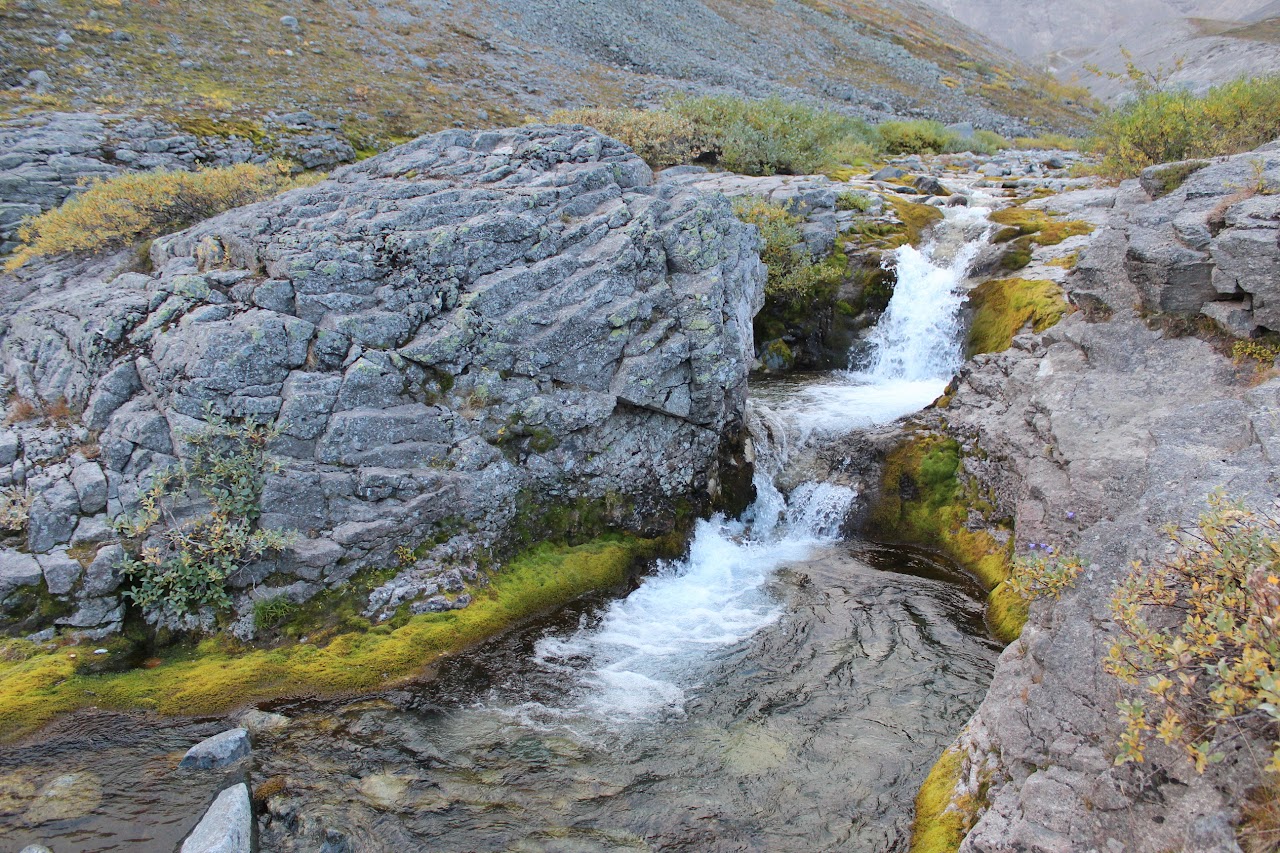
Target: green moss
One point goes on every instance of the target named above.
(916, 217)
(207, 126)
(923, 500)
(1169, 177)
(776, 355)
(938, 828)
(1002, 307)
(1042, 228)
(215, 676)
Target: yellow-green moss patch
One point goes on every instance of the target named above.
(1002, 307)
(916, 217)
(938, 828)
(923, 500)
(214, 677)
(1039, 226)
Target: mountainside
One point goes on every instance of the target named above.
(386, 70)
(1214, 40)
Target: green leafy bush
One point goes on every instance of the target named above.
(1037, 575)
(1200, 632)
(773, 136)
(1164, 125)
(793, 276)
(178, 555)
(137, 205)
(914, 137)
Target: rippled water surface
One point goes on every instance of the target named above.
(813, 734)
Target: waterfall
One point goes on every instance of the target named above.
(636, 660)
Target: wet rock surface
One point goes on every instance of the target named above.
(447, 334)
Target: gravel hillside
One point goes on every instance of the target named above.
(385, 70)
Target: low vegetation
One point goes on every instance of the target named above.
(797, 286)
(1166, 124)
(38, 683)
(1003, 307)
(771, 136)
(1199, 634)
(138, 205)
(178, 556)
(940, 824)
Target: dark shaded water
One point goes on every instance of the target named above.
(814, 734)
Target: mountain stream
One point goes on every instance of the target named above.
(781, 688)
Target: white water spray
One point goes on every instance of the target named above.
(638, 659)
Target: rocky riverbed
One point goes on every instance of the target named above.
(469, 331)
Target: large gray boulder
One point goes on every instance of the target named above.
(465, 327)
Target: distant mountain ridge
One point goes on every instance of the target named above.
(1215, 40)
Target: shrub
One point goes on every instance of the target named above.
(793, 277)
(1164, 125)
(773, 136)
(861, 202)
(661, 138)
(1037, 575)
(178, 562)
(914, 137)
(1201, 632)
(137, 205)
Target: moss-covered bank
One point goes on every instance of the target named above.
(1003, 307)
(937, 827)
(925, 499)
(216, 676)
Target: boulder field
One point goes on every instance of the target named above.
(464, 330)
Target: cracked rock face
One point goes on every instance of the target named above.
(465, 323)
(1095, 434)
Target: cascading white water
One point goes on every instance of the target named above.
(638, 659)
(918, 338)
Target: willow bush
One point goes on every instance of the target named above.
(1162, 125)
(135, 206)
(1200, 635)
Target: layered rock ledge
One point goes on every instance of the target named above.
(1091, 437)
(469, 327)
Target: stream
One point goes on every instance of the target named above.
(779, 689)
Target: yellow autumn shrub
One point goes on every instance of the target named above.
(137, 205)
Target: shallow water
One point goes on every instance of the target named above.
(776, 690)
(812, 734)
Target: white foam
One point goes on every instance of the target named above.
(639, 658)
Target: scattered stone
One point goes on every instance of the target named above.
(889, 173)
(69, 796)
(227, 827)
(17, 570)
(218, 751)
(256, 721)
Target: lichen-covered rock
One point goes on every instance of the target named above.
(1209, 245)
(448, 334)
